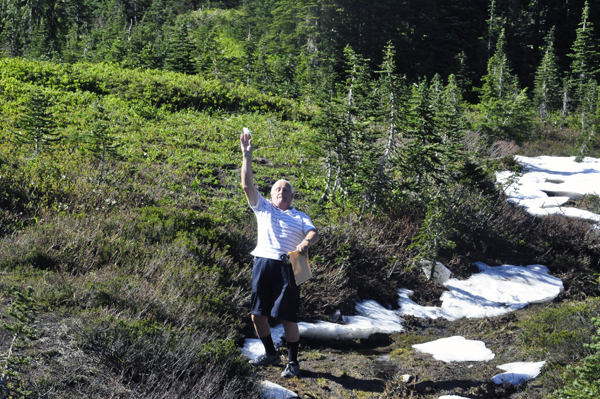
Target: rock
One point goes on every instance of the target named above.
(441, 273)
(335, 316)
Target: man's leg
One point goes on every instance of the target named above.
(292, 336)
(261, 303)
(263, 330)
(291, 331)
(261, 325)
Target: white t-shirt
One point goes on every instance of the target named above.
(279, 232)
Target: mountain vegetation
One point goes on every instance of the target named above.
(124, 234)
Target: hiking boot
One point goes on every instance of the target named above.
(265, 360)
(292, 369)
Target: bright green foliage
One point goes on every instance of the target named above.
(22, 310)
(585, 379)
(166, 221)
(504, 107)
(36, 123)
(547, 91)
(173, 91)
(585, 55)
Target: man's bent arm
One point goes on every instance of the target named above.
(247, 175)
(311, 239)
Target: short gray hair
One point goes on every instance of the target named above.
(286, 182)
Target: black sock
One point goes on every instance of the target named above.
(293, 351)
(268, 344)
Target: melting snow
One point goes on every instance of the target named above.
(274, 391)
(456, 349)
(549, 182)
(494, 291)
(517, 373)
(373, 318)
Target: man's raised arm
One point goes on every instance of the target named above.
(247, 176)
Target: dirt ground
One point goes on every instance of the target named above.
(374, 368)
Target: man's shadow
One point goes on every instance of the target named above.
(348, 382)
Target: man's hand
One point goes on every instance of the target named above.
(246, 141)
(311, 239)
(303, 248)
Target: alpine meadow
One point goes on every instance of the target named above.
(125, 235)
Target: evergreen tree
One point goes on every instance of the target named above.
(358, 142)
(250, 50)
(392, 94)
(547, 91)
(421, 159)
(179, 52)
(567, 89)
(434, 138)
(101, 140)
(13, 26)
(463, 75)
(450, 122)
(346, 136)
(584, 53)
(589, 119)
(37, 122)
(504, 107)
(324, 144)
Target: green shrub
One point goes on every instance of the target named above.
(174, 91)
(561, 331)
(584, 380)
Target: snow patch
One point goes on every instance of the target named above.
(456, 349)
(274, 391)
(549, 182)
(494, 291)
(517, 373)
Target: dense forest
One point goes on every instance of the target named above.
(282, 46)
(124, 234)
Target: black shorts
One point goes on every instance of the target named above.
(274, 290)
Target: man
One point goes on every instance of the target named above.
(281, 229)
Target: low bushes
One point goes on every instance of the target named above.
(154, 360)
(358, 259)
(175, 91)
(559, 332)
(585, 379)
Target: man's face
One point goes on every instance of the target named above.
(281, 195)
